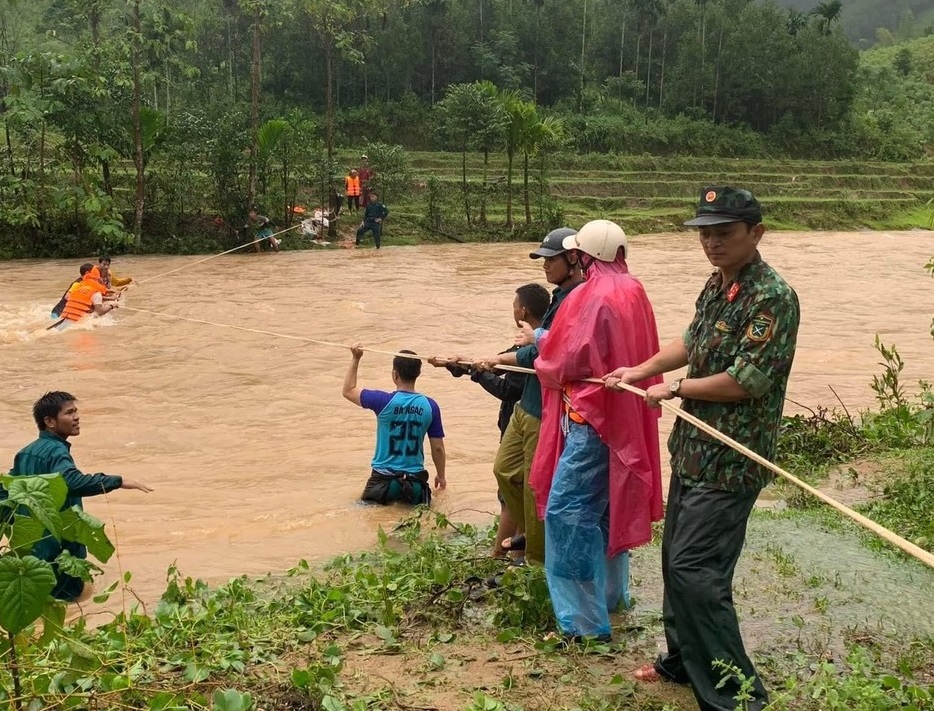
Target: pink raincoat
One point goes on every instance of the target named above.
(603, 324)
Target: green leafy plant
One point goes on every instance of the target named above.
(30, 510)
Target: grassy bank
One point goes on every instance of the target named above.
(645, 194)
(412, 625)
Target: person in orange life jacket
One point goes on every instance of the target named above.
(90, 296)
(403, 419)
(60, 306)
(352, 189)
(108, 278)
(529, 306)
(56, 416)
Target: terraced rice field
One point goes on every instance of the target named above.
(649, 194)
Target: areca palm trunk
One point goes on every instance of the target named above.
(525, 188)
(137, 128)
(254, 102)
(510, 155)
(486, 163)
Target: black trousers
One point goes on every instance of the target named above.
(407, 488)
(704, 534)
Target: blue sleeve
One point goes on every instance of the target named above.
(526, 356)
(435, 429)
(375, 400)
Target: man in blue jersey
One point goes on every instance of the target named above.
(403, 418)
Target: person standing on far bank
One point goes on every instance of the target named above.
(373, 217)
(739, 350)
(352, 190)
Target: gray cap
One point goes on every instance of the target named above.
(553, 244)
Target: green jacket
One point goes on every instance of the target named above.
(748, 329)
(531, 400)
(50, 454)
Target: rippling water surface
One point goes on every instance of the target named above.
(255, 458)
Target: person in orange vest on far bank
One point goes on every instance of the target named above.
(90, 295)
(353, 191)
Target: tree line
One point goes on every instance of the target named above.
(130, 117)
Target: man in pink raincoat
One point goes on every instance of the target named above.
(597, 472)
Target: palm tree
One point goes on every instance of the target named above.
(537, 133)
(796, 22)
(827, 13)
(519, 113)
(488, 135)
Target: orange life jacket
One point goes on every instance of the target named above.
(80, 299)
(353, 185)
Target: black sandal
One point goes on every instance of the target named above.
(516, 543)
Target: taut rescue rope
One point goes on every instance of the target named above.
(884, 533)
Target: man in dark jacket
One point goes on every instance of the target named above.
(517, 449)
(56, 416)
(529, 306)
(373, 217)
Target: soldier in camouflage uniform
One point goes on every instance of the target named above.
(738, 349)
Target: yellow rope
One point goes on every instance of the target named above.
(214, 256)
(259, 331)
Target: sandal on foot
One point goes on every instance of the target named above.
(514, 543)
(647, 673)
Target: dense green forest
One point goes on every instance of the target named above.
(867, 22)
(154, 123)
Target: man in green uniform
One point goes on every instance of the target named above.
(739, 349)
(517, 447)
(373, 216)
(56, 416)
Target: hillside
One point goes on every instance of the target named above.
(861, 18)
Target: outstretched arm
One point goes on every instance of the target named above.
(80, 484)
(351, 391)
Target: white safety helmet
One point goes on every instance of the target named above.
(600, 239)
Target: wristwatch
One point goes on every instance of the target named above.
(675, 387)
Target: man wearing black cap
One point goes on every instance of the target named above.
(739, 349)
(517, 447)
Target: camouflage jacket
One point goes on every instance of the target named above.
(747, 329)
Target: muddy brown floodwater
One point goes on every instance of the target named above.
(257, 461)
